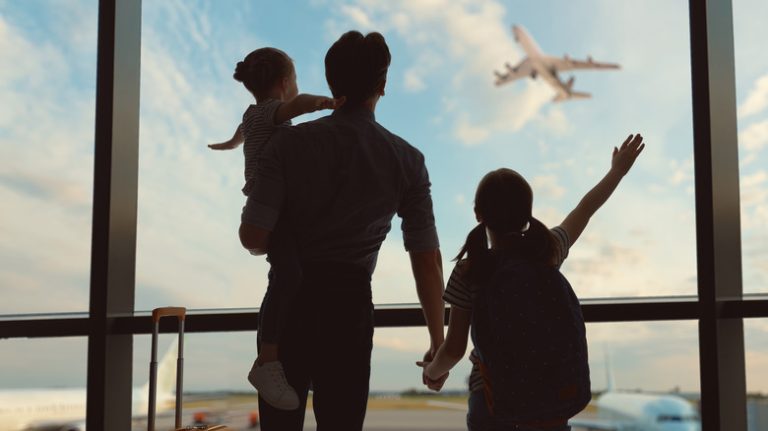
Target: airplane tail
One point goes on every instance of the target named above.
(610, 382)
(567, 92)
(166, 379)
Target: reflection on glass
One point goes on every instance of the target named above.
(42, 381)
(47, 88)
(752, 102)
(648, 365)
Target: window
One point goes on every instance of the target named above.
(189, 196)
(42, 380)
(47, 85)
(752, 102)
(189, 199)
(755, 338)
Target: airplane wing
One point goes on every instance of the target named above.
(566, 63)
(522, 70)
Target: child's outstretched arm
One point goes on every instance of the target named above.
(232, 143)
(623, 158)
(304, 104)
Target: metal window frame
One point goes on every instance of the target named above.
(112, 321)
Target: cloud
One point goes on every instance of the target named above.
(754, 201)
(413, 80)
(757, 99)
(46, 162)
(402, 343)
(458, 44)
(755, 136)
(358, 16)
(682, 172)
(548, 186)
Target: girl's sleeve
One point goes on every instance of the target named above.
(457, 292)
(563, 243)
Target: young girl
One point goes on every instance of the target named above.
(530, 369)
(269, 75)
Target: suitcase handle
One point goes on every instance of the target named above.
(159, 313)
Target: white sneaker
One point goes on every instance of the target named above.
(269, 379)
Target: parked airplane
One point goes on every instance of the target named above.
(623, 411)
(539, 64)
(628, 411)
(633, 411)
(64, 409)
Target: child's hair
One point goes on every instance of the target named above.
(355, 65)
(262, 69)
(503, 201)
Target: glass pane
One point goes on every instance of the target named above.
(47, 88)
(755, 340)
(752, 102)
(648, 361)
(440, 97)
(216, 388)
(42, 381)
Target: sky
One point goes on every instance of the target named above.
(440, 97)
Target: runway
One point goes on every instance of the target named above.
(382, 415)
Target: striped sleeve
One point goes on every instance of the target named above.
(563, 244)
(257, 126)
(457, 292)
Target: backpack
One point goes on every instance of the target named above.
(529, 334)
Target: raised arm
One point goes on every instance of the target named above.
(232, 143)
(622, 160)
(304, 104)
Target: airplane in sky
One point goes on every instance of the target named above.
(64, 409)
(537, 64)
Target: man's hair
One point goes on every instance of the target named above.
(356, 65)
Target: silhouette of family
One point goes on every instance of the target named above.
(321, 197)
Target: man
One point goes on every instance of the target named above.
(336, 183)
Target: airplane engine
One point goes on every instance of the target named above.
(570, 82)
(534, 74)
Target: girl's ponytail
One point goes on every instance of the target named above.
(538, 243)
(478, 256)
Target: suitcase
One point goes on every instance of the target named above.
(180, 313)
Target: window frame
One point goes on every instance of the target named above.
(719, 307)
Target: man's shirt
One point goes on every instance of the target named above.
(336, 183)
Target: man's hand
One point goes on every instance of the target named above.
(434, 384)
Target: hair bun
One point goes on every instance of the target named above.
(240, 71)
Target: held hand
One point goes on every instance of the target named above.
(624, 157)
(434, 384)
(329, 103)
